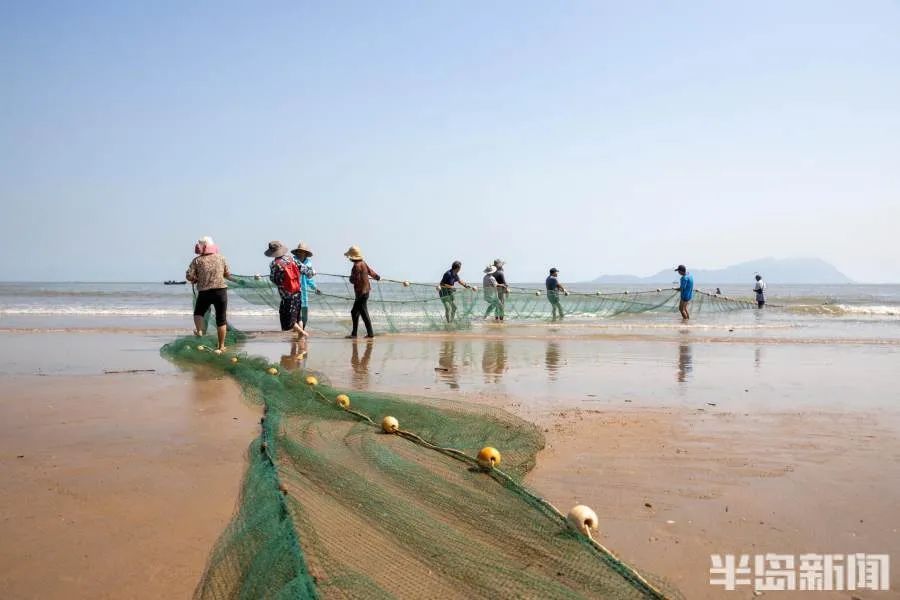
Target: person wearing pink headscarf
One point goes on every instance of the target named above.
(208, 272)
(205, 245)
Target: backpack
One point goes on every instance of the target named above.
(290, 282)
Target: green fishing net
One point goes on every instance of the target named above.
(403, 306)
(333, 507)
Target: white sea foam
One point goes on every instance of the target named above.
(872, 311)
(877, 310)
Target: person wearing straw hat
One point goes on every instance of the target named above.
(208, 271)
(490, 288)
(302, 254)
(554, 287)
(446, 289)
(359, 277)
(285, 273)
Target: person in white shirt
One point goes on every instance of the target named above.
(492, 290)
(760, 289)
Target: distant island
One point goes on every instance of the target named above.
(773, 270)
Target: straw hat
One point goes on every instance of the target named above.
(354, 253)
(301, 248)
(490, 269)
(276, 249)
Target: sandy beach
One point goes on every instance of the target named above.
(117, 485)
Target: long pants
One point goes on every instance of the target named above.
(555, 306)
(493, 307)
(360, 309)
(289, 311)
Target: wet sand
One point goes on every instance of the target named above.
(747, 447)
(116, 486)
(673, 487)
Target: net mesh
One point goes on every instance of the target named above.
(333, 507)
(403, 306)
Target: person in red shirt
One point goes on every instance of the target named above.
(359, 277)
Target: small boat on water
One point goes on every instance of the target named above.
(173, 282)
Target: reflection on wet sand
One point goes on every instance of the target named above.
(360, 366)
(757, 357)
(493, 361)
(552, 359)
(446, 369)
(296, 358)
(685, 362)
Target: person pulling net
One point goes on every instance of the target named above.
(405, 306)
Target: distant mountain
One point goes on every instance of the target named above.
(773, 270)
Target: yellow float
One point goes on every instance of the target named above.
(488, 457)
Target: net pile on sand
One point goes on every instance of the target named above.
(332, 506)
(402, 306)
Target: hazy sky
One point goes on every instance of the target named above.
(599, 137)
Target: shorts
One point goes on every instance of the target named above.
(217, 298)
(289, 311)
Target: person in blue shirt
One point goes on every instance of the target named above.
(302, 253)
(554, 287)
(446, 290)
(686, 287)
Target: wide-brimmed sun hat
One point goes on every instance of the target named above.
(354, 253)
(490, 269)
(301, 248)
(276, 249)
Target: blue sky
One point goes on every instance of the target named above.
(617, 137)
